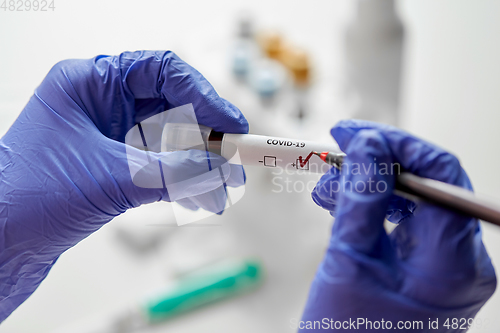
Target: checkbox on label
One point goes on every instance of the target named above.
(270, 161)
(300, 166)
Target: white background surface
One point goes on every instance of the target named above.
(450, 97)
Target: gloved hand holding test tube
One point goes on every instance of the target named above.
(294, 154)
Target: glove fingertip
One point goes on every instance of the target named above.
(240, 122)
(314, 196)
(237, 177)
(344, 131)
(327, 203)
(341, 136)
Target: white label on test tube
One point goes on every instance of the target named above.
(272, 152)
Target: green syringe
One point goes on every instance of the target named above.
(205, 286)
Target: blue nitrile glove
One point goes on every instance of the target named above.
(433, 266)
(64, 171)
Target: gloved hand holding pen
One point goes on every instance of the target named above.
(433, 266)
(63, 163)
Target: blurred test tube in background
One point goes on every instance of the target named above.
(373, 56)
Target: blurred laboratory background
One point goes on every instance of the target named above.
(294, 68)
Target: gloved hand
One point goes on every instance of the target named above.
(63, 163)
(433, 266)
